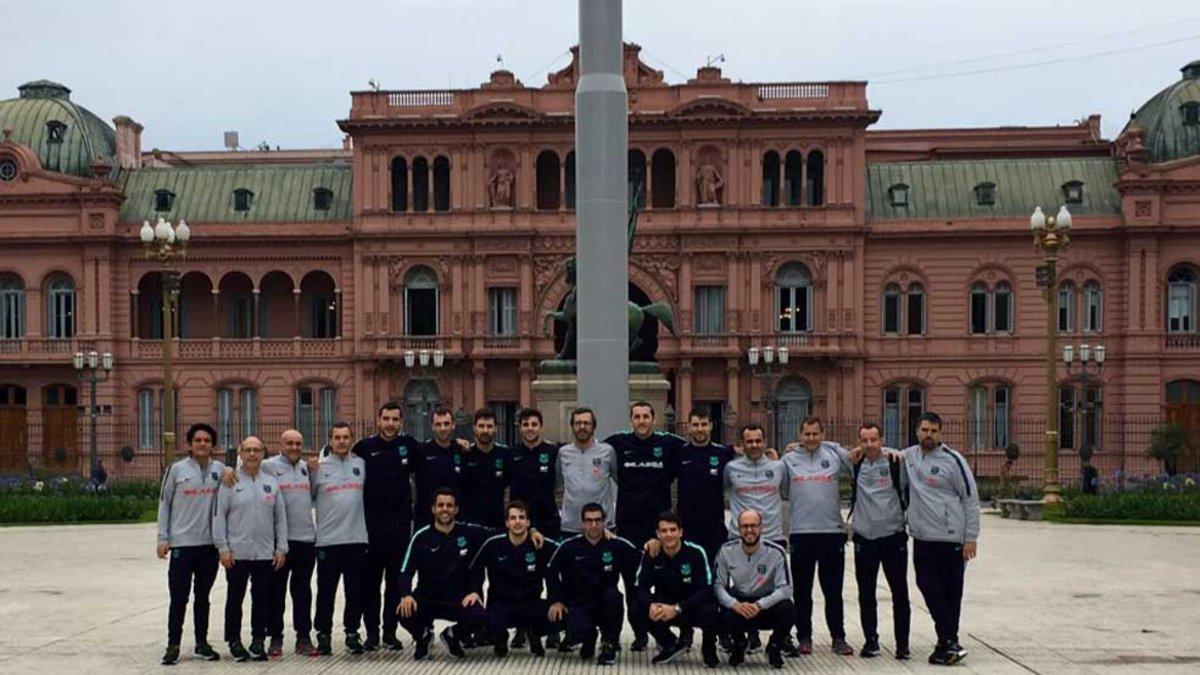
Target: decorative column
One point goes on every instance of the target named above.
(133, 314)
(683, 382)
(255, 325)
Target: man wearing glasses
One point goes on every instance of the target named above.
(588, 469)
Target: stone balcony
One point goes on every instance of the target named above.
(42, 349)
(1176, 342)
(241, 348)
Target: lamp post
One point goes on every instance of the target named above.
(1050, 236)
(768, 356)
(92, 368)
(424, 360)
(167, 244)
(1090, 366)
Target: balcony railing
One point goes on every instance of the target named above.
(241, 348)
(41, 349)
(1183, 341)
(501, 341)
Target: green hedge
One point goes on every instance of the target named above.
(1179, 506)
(18, 508)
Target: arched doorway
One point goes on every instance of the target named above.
(421, 396)
(60, 423)
(793, 402)
(1183, 407)
(13, 426)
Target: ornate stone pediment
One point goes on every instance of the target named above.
(501, 110)
(710, 107)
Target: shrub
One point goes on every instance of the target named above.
(1169, 498)
(27, 507)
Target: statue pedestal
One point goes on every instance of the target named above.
(557, 396)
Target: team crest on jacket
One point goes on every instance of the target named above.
(658, 452)
(685, 569)
(824, 464)
(606, 557)
(499, 462)
(544, 458)
(530, 557)
(770, 473)
(267, 489)
(356, 471)
(462, 541)
(403, 451)
(215, 476)
(303, 471)
(713, 460)
(762, 569)
(596, 461)
(933, 470)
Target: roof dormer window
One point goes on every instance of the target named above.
(322, 199)
(985, 194)
(163, 200)
(898, 194)
(243, 199)
(55, 131)
(1073, 192)
(1191, 113)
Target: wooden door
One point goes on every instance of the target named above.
(14, 433)
(60, 427)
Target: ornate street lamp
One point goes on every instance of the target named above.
(92, 368)
(1051, 236)
(167, 245)
(767, 356)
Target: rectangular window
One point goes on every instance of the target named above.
(240, 311)
(916, 312)
(502, 311)
(979, 312)
(710, 310)
(12, 313)
(329, 413)
(147, 425)
(979, 401)
(1093, 309)
(916, 408)
(1001, 404)
(1179, 308)
(62, 313)
(421, 317)
(1090, 418)
(1004, 314)
(305, 409)
(1066, 417)
(1066, 310)
(225, 439)
(506, 422)
(891, 417)
(322, 317)
(248, 412)
(891, 313)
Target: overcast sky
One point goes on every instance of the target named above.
(280, 71)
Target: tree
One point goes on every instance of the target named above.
(1168, 443)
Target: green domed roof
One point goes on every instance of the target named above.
(1171, 120)
(66, 137)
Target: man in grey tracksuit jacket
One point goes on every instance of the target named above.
(589, 474)
(290, 469)
(752, 571)
(754, 482)
(943, 519)
(250, 533)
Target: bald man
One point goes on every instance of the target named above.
(291, 472)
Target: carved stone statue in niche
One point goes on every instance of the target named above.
(708, 185)
(500, 187)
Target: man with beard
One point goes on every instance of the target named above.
(583, 586)
(291, 472)
(185, 534)
(943, 519)
(753, 481)
(484, 474)
(588, 469)
(754, 589)
(532, 466)
(439, 464)
(516, 575)
(439, 557)
(701, 469)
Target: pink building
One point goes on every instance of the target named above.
(896, 266)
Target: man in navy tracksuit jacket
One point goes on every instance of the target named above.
(484, 474)
(532, 469)
(391, 457)
(700, 467)
(675, 588)
(516, 574)
(439, 465)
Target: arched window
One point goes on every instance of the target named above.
(420, 181)
(1080, 416)
(794, 296)
(662, 171)
(1002, 321)
(318, 306)
(637, 176)
(60, 307)
(1093, 308)
(904, 310)
(815, 178)
(793, 165)
(1066, 307)
(420, 302)
(441, 184)
(979, 308)
(915, 309)
(794, 400)
(903, 405)
(1181, 300)
(990, 416)
(569, 181)
(12, 307)
(770, 179)
(399, 184)
(548, 197)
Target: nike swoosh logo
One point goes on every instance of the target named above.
(434, 549)
(686, 462)
(502, 558)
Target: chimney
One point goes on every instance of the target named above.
(129, 142)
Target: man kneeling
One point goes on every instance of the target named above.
(754, 590)
(674, 588)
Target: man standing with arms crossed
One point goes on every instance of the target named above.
(943, 519)
(817, 537)
(291, 472)
(189, 490)
(250, 533)
(390, 457)
(877, 502)
(754, 588)
(337, 488)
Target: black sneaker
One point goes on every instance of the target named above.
(788, 648)
(639, 644)
(869, 650)
(535, 646)
(171, 656)
(669, 653)
(840, 646)
(955, 653)
(324, 645)
(686, 637)
(276, 649)
(804, 646)
(421, 645)
(774, 655)
(587, 648)
(939, 656)
(553, 640)
(371, 644)
(608, 654)
(708, 650)
(754, 646)
(518, 639)
(354, 643)
(500, 648)
(238, 653)
(903, 653)
(392, 643)
(737, 652)
(257, 651)
(452, 643)
(304, 647)
(205, 652)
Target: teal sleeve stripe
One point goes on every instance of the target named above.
(408, 553)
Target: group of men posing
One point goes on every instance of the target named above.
(552, 569)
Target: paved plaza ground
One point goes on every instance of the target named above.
(1041, 597)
